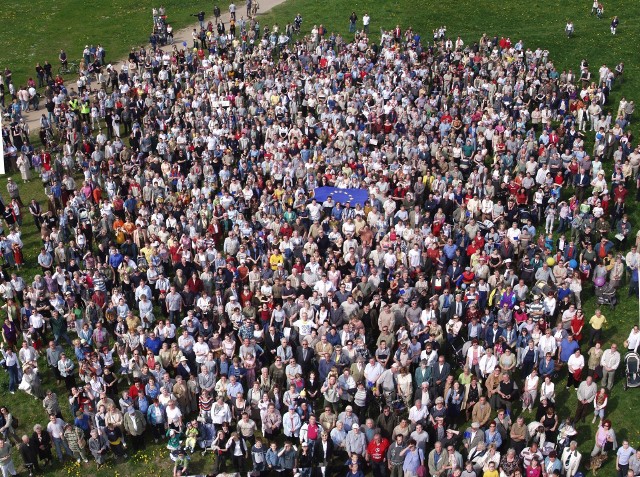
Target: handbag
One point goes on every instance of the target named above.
(597, 372)
(421, 471)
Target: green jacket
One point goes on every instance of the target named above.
(58, 325)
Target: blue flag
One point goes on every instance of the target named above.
(353, 196)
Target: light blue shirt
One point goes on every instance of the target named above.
(625, 454)
(413, 460)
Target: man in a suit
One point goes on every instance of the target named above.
(492, 335)
(232, 291)
(571, 459)
(271, 342)
(439, 375)
(445, 301)
(323, 452)
(581, 182)
(415, 217)
(422, 374)
(456, 308)
(304, 357)
(434, 463)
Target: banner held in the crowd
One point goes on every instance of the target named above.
(353, 196)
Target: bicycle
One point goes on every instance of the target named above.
(68, 68)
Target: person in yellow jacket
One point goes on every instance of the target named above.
(276, 259)
(85, 109)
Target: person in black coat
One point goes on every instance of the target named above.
(323, 451)
(440, 371)
(29, 453)
(271, 343)
(305, 460)
(304, 357)
(41, 441)
(183, 368)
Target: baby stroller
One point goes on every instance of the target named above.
(458, 348)
(631, 371)
(541, 288)
(606, 295)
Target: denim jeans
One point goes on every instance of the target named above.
(60, 445)
(7, 469)
(13, 377)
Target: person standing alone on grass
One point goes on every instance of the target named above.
(614, 25)
(568, 29)
(597, 321)
(352, 22)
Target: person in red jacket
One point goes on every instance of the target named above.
(377, 455)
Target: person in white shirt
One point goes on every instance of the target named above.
(575, 364)
(200, 348)
(474, 355)
(487, 364)
(220, 411)
(372, 372)
(548, 390)
(514, 233)
(418, 413)
(430, 354)
(323, 287)
(547, 344)
(633, 340)
(366, 19)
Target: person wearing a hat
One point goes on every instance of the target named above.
(291, 424)
(473, 436)
(305, 460)
(349, 418)
(355, 442)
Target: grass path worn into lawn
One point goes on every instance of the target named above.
(119, 55)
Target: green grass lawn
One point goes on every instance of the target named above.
(38, 33)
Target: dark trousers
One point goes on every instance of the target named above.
(69, 382)
(582, 411)
(238, 462)
(158, 431)
(13, 377)
(623, 470)
(379, 469)
(572, 381)
(137, 442)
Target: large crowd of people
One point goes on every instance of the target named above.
(194, 292)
